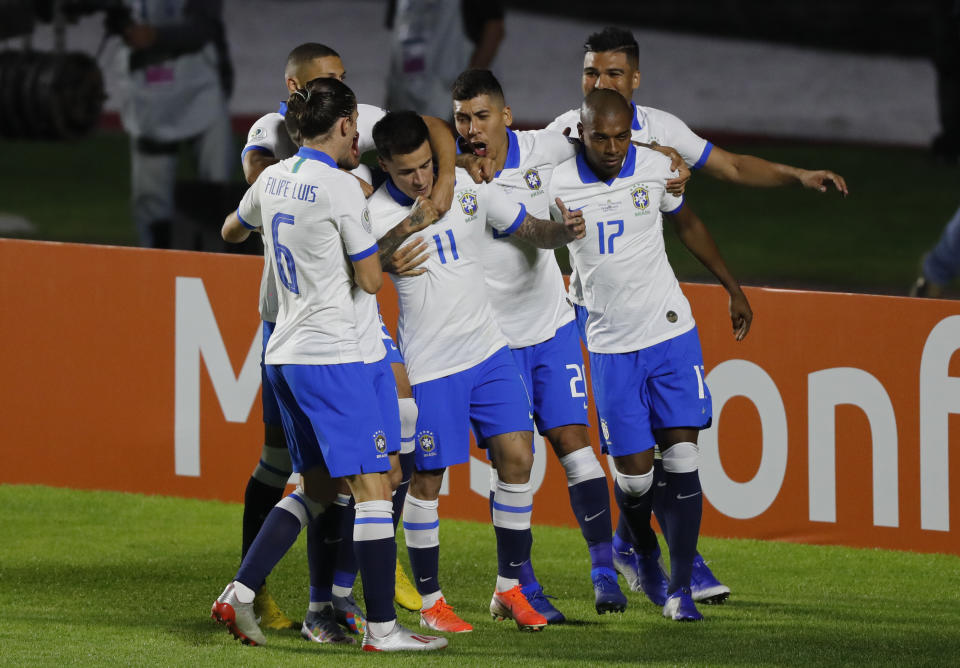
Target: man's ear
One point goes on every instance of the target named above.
(507, 116)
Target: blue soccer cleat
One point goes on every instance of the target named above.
(609, 598)
(704, 587)
(680, 607)
(643, 572)
(541, 603)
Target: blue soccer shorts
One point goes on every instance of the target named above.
(268, 396)
(660, 387)
(554, 373)
(489, 397)
(385, 385)
(331, 417)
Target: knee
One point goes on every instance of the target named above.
(635, 485)
(581, 465)
(681, 457)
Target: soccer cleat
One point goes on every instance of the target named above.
(512, 604)
(540, 602)
(322, 627)
(348, 614)
(643, 572)
(608, 597)
(441, 617)
(237, 617)
(269, 613)
(404, 593)
(401, 639)
(704, 586)
(680, 607)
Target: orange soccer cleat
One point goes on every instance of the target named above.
(512, 604)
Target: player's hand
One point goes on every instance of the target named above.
(481, 169)
(677, 184)
(740, 314)
(818, 180)
(423, 214)
(406, 260)
(573, 221)
(442, 195)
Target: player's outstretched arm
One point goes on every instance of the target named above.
(444, 150)
(695, 236)
(233, 231)
(548, 234)
(423, 214)
(368, 274)
(749, 170)
(255, 162)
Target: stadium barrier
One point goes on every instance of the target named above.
(138, 370)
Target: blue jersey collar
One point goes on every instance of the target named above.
(398, 195)
(636, 117)
(513, 152)
(283, 109)
(586, 173)
(314, 154)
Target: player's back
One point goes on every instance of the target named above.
(306, 204)
(629, 288)
(446, 320)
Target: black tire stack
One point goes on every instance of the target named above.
(49, 95)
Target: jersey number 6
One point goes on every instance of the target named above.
(286, 269)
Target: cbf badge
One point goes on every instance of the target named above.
(532, 178)
(468, 202)
(605, 430)
(641, 198)
(427, 444)
(380, 442)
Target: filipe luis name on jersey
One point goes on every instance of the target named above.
(289, 189)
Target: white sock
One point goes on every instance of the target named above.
(429, 600)
(506, 584)
(381, 629)
(244, 593)
(319, 606)
(341, 592)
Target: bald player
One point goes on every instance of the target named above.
(648, 373)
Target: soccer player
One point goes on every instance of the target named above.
(611, 61)
(336, 405)
(644, 350)
(269, 142)
(461, 369)
(529, 300)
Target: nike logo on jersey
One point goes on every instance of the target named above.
(531, 415)
(587, 518)
(681, 497)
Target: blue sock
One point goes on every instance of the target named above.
(634, 511)
(590, 501)
(278, 533)
(345, 572)
(646, 540)
(682, 525)
(659, 495)
(322, 556)
(407, 462)
(421, 529)
(512, 507)
(376, 549)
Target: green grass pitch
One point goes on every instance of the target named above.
(109, 579)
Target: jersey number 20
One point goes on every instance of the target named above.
(286, 269)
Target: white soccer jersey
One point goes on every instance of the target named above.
(630, 291)
(446, 321)
(315, 221)
(269, 135)
(649, 126)
(525, 284)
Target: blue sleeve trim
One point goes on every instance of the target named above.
(703, 157)
(362, 254)
(243, 222)
(517, 221)
(255, 148)
(679, 206)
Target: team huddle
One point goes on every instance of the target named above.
(488, 341)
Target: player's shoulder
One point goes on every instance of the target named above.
(650, 163)
(383, 202)
(263, 125)
(370, 113)
(660, 120)
(567, 119)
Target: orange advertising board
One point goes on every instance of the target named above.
(138, 370)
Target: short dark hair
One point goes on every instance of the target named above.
(308, 52)
(313, 109)
(398, 133)
(472, 83)
(614, 39)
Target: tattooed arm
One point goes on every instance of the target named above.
(548, 234)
